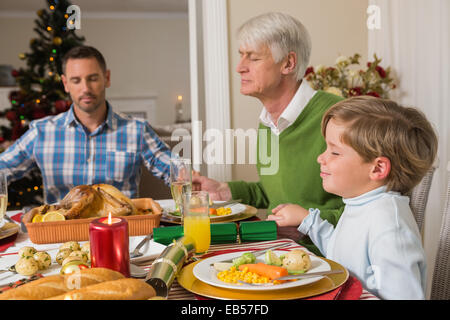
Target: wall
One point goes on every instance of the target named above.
(147, 56)
(336, 28)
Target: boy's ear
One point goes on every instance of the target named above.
(381, 168)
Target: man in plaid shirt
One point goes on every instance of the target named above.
(90, 143)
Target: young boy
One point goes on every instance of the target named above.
(377, 151)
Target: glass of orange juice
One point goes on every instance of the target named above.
(196, 221)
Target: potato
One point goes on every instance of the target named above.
(43, 259)
(27, 266)
(297, 260)
(26, 252)
(86, 247)
(62, 254)
(72, 245)
(79, 254)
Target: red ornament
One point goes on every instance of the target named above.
(309, 70)
(381, 72)
(11, 116)
(355, 91)
(61, 106)
(38, 113)
(15, 73)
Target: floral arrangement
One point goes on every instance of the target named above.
(345, 81)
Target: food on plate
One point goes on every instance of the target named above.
(82, 256)
(26, 252)
(233, 275)
(27, 266)
(272, 259)
(265, 270)
(62, 254)
(86, 248)
(293, 262)
(222, 266)
(297, 261)
(55, 285)
(122, 289)
(43, 260)
(223, 211)
(71, 245)
(246, 258)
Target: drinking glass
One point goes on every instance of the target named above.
(3, 197)
(180, 180)
(196, 222)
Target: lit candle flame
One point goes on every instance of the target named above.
(109, 219)
(180, 98)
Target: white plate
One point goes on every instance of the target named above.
(168, 206)
(206, 273)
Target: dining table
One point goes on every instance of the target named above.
(185, 286)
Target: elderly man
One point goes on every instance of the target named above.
(90, 143)
(275, 50)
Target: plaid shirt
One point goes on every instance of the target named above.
(68, 155)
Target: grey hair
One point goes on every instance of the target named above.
(282, 34)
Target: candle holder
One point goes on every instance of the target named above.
(109, 243)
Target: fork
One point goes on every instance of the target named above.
(136, 252)
(10, 269)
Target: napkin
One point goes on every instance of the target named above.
(258, 230)
(220, 233)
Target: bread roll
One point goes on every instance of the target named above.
(59, 284)
(122, 289)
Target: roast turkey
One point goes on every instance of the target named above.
(87, 201)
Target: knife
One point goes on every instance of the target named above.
(308, 275)
(223, 204)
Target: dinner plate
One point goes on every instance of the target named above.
(188, 281)
(206, 273)
(168, 206)
(8, 229)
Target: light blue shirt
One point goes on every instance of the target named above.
(68, 155)
(377, 240)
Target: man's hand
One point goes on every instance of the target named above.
(288, 214)
(217, 190)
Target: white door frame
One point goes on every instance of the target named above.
(211, 42)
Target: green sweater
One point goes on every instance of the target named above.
(297, 179)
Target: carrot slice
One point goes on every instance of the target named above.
(265, 270)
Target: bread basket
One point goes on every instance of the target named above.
(78, 229)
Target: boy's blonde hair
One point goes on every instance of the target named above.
(380, 127)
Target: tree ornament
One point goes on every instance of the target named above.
(57, 41)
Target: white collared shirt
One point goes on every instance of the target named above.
(292, 111)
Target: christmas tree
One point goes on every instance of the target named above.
(41, 92)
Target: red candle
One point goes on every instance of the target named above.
(109, 244)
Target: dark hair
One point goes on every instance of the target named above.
(83, 52)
